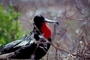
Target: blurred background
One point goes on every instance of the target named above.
(72, 36)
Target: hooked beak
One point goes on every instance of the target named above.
(51, 21)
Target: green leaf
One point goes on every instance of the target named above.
(10, 27)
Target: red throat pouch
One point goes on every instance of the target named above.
(46, 31)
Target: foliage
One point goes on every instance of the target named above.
(10, 28)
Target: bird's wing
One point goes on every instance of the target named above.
(12, 46)
(8, 47)
(29, 39)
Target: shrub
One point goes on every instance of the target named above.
(10, 27)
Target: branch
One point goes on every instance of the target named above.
(6, 56)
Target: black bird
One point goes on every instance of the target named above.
(28, 47)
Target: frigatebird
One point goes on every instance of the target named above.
(29, 46)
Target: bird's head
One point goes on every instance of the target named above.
(41, 24)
